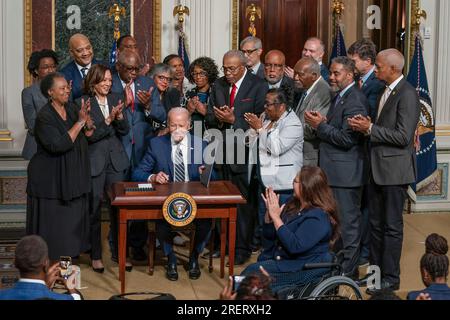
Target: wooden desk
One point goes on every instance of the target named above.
(220, 200)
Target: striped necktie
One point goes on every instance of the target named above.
(180, 173)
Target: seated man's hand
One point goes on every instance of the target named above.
(160, 178)
(53, 274)
(227, 292)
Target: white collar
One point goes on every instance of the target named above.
(238, 84)
(313, 86)
(256, 68)
(80, 67)
(35, 281)
(183, 143)
(395, 83)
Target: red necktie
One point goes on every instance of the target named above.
(233, 96)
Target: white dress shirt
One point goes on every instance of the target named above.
(104, 108)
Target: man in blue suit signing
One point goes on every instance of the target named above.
(177, 157)
(36, 277)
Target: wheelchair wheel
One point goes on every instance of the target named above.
(336, 288)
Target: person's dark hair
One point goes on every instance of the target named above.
(122, 38)
(348, 63)
(255, 287)
(36, 57)
(170, 57)
(384, 294)
(284, 94)
(365, 49)
(435, 260)
(315, 193)
(31, 255)
(208, 65)
(95, 75)
(48, 82)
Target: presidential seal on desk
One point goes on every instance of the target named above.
(179, 209)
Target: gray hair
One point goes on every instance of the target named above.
(31, 254)
(348, 63)
(255, 40)
(312, 65)
(177, 110)
(238, 54)
(161, 68)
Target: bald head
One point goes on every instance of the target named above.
(393, 58)
(389, 65)
(80, 49)
(274, 65)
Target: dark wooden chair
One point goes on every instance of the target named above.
(191, 233)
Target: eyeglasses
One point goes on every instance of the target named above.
(230, 69)
(268, 105)
(131, 68)
(273, 66)
(249, 52)
(163, 78)
(296, 181)
(201, 74)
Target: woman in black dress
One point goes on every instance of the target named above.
(59, 173)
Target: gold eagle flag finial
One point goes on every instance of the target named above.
(181, 10)
(253, 11)
(117, 11)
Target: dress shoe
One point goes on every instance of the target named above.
(98, 269)
(194, 269)
(138, 254)
(385, 285)
(172, 273)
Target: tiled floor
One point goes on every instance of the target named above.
(103, 286)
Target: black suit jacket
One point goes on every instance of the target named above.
(392, 152)
(105, 143)
(372, 89)
(341, 151)
(71, 73)
(249, 99)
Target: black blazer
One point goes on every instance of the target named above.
(392, 152)
(60, 168)
(105, 142)
(249, 99)
(341, 151)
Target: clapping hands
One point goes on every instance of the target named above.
(116, 113)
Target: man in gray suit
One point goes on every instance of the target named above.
(393, 163)
(342, 155)
(252, 48)
(316, 96)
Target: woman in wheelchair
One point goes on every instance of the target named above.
(304, 231)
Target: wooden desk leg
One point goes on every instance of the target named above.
(223, 241)
(231, 240)
(122, 250)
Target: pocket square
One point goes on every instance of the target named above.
(247, 100)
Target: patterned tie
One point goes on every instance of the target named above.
(180, 173)
(233, 96)
(84, 72)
